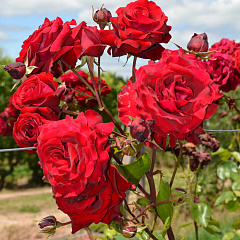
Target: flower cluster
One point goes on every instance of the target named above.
(165, 101)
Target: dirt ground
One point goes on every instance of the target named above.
(18, 219)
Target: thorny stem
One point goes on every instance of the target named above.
(66, 223)
(119, 134)
(176, 165)
(70, 112)
(149, 175)
(145, 209)
(97, 94)
(196, 230)
(113, 119)
(80, 77)
(89, 233)
(99, 76)
(82, 93)
(133, 67)
(146, 229)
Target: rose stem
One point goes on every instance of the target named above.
(66, 223)
(146, 229)
(99, 76)
(113, 119)
(150, 179)
(80, 77)
(90, 68)
(133, 67)
(89, 233)
(176, 165)
(145, 209)
(119, 134)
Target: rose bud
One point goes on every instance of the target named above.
(178, 195)
(49, 225)
(16, 70)
(102, 17)
(198, 43)
(140, 130)
(129, 230)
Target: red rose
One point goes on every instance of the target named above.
(26, 128)
(39, 91)
(75, 153)
(176, 94)
(53, 41)
(237, 59)
(226, 76)
(138, 30)
(83, 96)
(104, 206)
(74, 156)
(7, 119)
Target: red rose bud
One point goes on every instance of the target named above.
(140, 130)
(102, 17)
(16, 70)
(198, 43)
(49, 225)
(129, 230)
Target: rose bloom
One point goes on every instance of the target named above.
(237, 59)
(54, 42)
(74, 156)
(138, 30)
(7, 119)
(84, 101)
(39, 90)
(26, 128)
(176, 95)
(226, 76)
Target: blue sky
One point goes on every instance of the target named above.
(218, 18)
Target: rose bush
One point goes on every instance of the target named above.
(39, 90)
(138, 30)
(175, 94)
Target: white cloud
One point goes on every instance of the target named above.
(4, 36)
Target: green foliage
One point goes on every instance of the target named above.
(165, 211)
(133, 172)
(201, 213)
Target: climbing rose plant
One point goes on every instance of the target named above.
(164, 105)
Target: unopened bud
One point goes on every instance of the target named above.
(198, 43)
(102, 17)
(178, 195)
(49, 225)
(129, 230)
(16, 70)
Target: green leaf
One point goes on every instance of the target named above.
(226, 196)
(213, 227)
(158, 235)
(224, 169)
(236, 155)
(164, 210)
(232, 205)
(228, 236)
(201, 213)
(185, 225)
(166, 226)
(143, 202)
(236, 225)
(133, 172)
